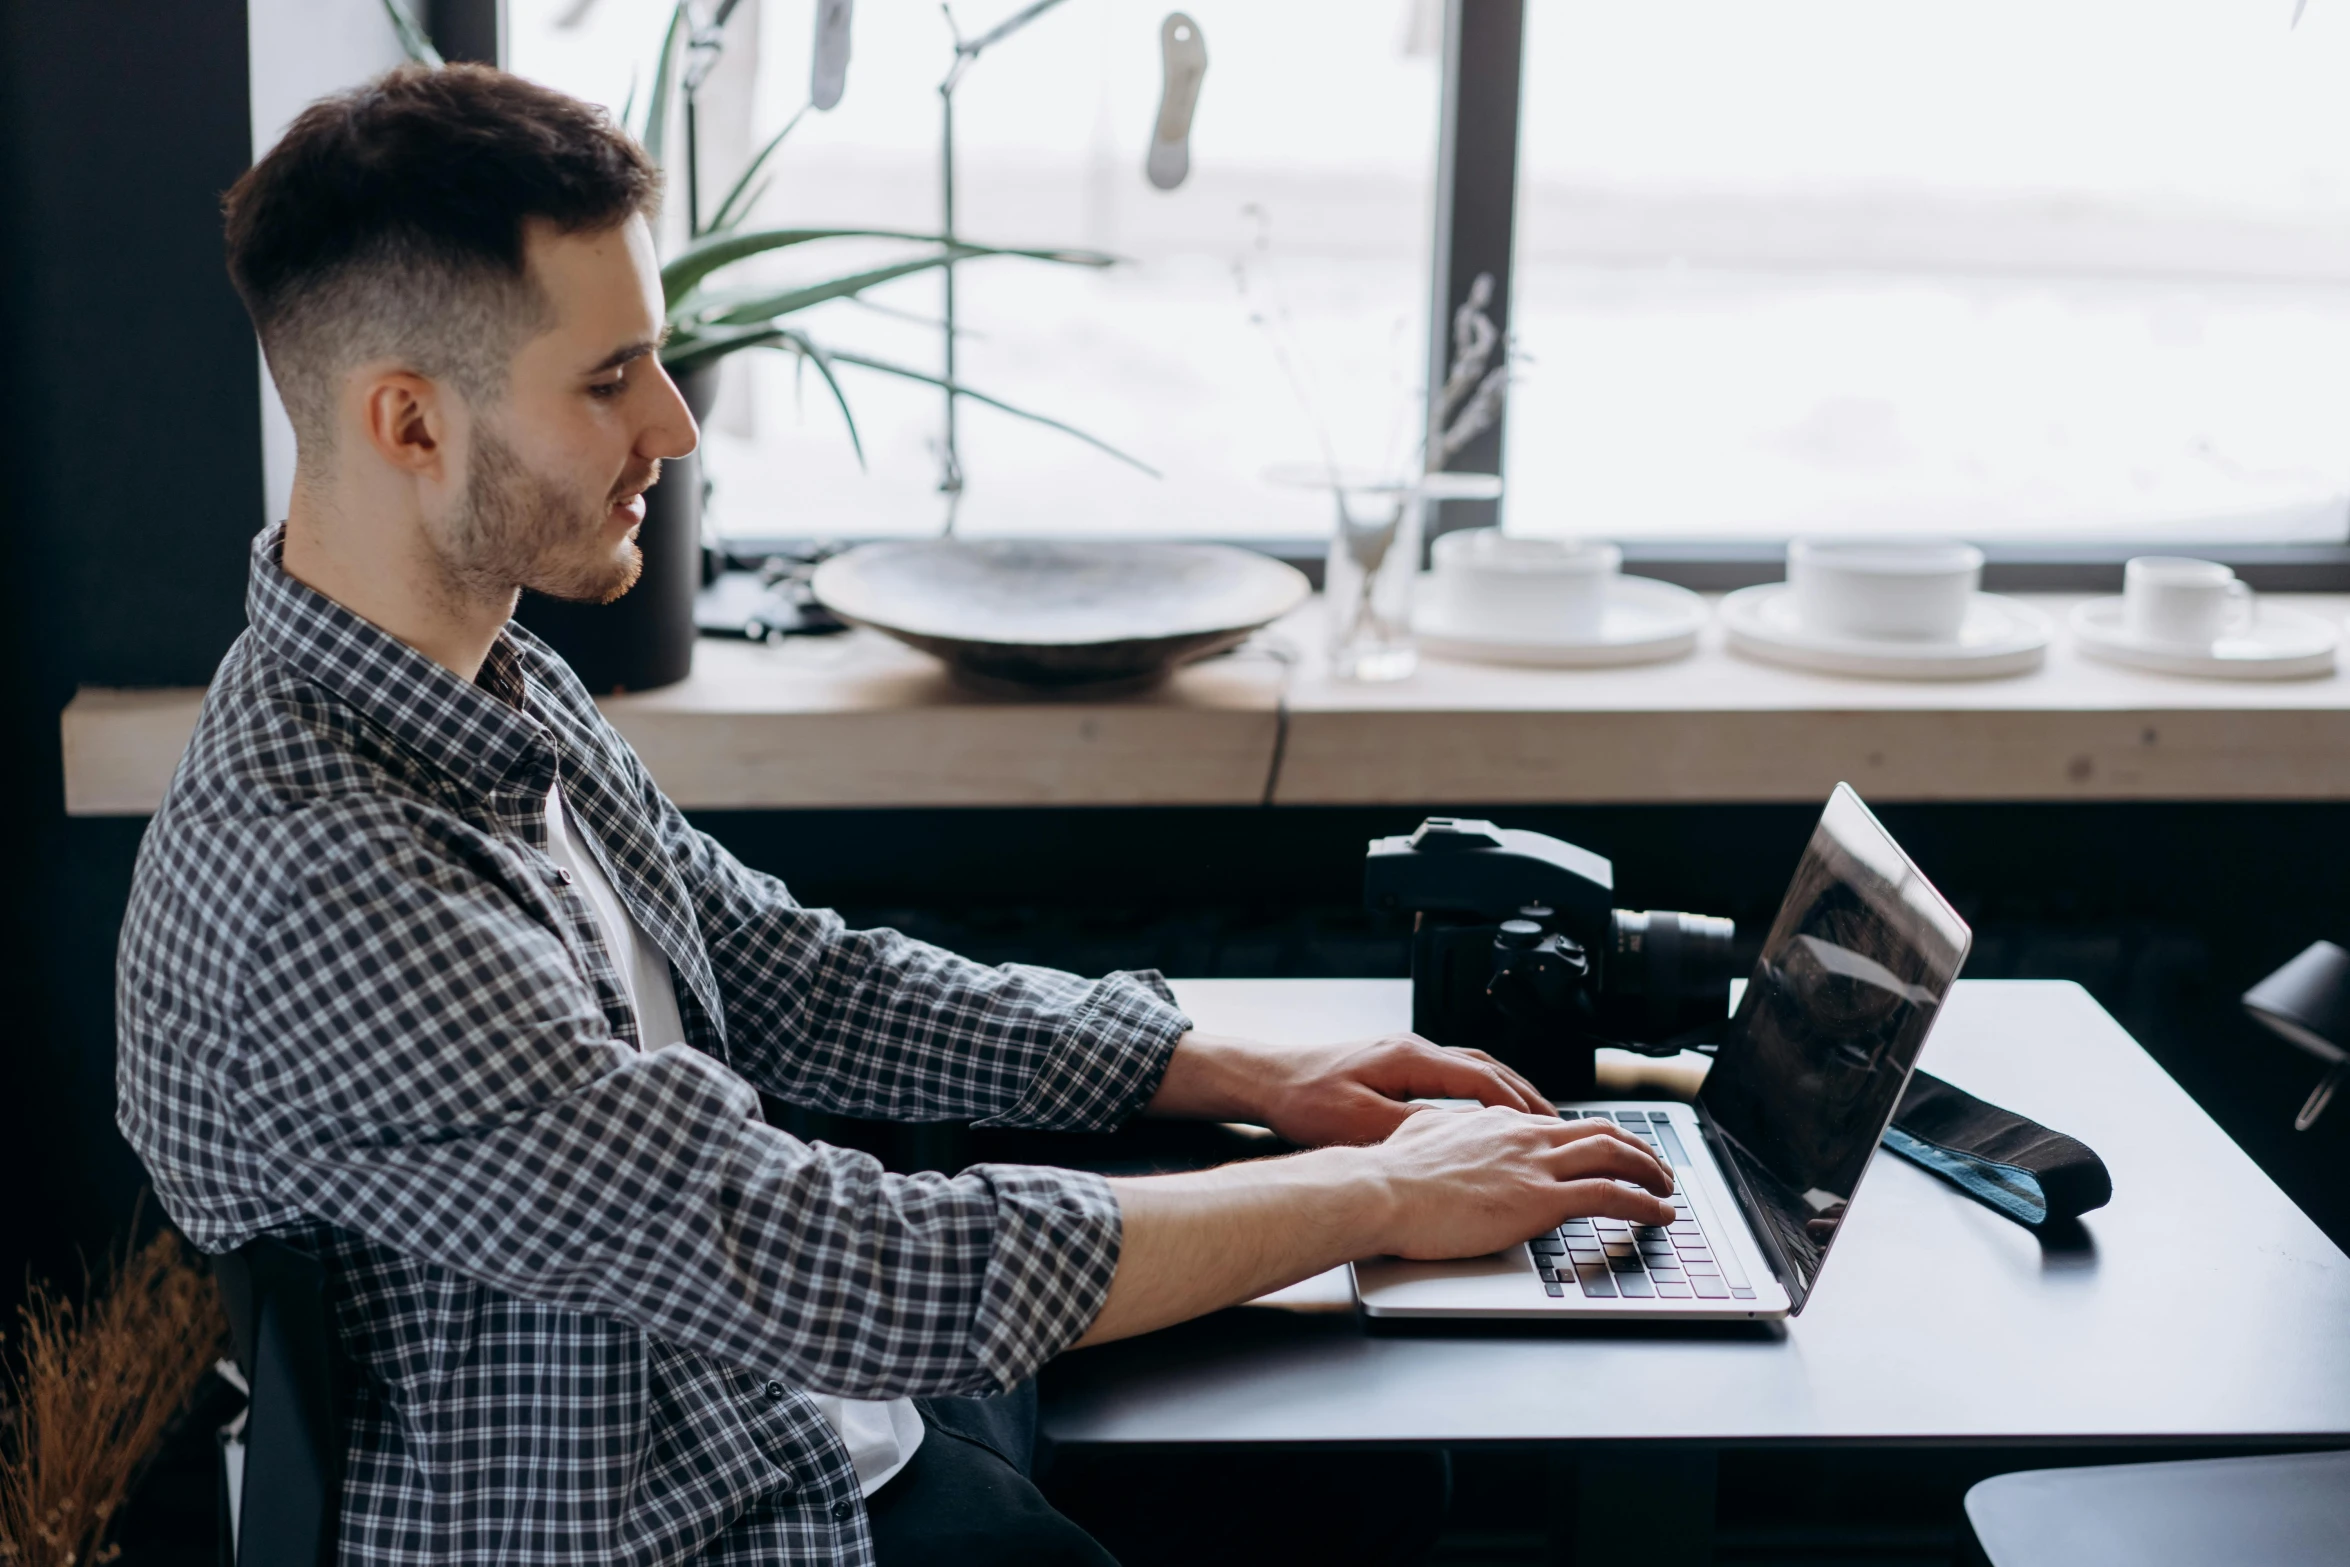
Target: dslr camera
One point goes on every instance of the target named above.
(1518, 950)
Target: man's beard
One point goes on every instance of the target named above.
(516, 527)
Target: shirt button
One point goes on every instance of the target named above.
(562, 877)
(843, 1510)
(775, 1391)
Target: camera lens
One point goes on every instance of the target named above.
(1666, 972)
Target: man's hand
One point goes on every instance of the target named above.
(1448, 1183)
(1463, 1183)
(1356, 1092)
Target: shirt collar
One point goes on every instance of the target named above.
(479, 730)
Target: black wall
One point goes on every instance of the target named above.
(133, 481)
(135, 484)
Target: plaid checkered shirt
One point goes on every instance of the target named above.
(586, 1289)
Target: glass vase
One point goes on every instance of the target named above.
(1367, 587)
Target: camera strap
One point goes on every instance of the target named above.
(2035, 1176)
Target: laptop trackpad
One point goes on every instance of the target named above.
(1498, 1280)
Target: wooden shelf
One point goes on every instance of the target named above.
(861, 721)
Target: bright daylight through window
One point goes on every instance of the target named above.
(2010, 269)
(1279, 293)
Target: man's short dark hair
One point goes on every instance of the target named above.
(389, 221)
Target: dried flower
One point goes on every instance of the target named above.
(1472, 397)
(1473, 339)
(92, 1392)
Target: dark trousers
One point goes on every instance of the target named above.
(975, 1493)
(966, 1496)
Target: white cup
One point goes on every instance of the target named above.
(2181, 602)
(1884, 590)
(1490, 585)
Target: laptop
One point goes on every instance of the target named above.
(1767, 1162)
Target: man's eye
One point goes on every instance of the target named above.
(606, 388)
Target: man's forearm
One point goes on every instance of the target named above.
(1355, 1091)
(1204, 1240)
(1213, 1077)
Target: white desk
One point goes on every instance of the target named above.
(2199, 1307)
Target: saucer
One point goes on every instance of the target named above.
(1646, 622)
(2281, 644)
(2000, 637)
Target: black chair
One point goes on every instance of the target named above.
(293, 1439)
(2291, 1510)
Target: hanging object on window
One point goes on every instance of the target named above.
(830, 72)
(1183, 60)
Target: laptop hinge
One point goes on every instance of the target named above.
(1750, 1209)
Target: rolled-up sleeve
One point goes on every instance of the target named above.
(421, 1063)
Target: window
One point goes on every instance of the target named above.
(2035, 272)
(2009, 269)
(1282, 288)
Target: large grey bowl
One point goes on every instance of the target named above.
(1045, 613)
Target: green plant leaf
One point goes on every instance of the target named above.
(741, 307)
(692, 348)
(693, 351)
(690, 352)
(745, 308)
(729, 212)
(415, 42)
(696, 351)
(750, 204)
(908, 373)
(707, 254)
(656, 131)
(811, 352)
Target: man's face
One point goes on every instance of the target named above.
(556, 470)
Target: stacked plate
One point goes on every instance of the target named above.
(1891, 610)
(1554, 603)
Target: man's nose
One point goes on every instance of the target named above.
(672, 432)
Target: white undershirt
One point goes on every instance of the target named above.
(880, 1434)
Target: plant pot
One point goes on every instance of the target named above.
(644, 638)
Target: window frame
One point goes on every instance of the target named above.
(468, 29)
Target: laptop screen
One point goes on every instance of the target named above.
(1850, 979)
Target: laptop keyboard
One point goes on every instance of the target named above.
(1610, 1259)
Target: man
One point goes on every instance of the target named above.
(423, 972)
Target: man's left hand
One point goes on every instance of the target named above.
(1355, 1092)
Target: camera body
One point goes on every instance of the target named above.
(1517, 950)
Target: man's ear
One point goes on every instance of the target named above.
(405, 416)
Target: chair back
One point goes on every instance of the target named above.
(2270, 1510)
(293, 1470)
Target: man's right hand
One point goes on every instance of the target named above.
(1446, 1183)
(1465, 1182)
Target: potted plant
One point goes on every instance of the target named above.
(645, 638)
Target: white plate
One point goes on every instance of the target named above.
(1646, 622)
(2280, 644)
(2000, 637)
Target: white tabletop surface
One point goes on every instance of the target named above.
(2199, 1306)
